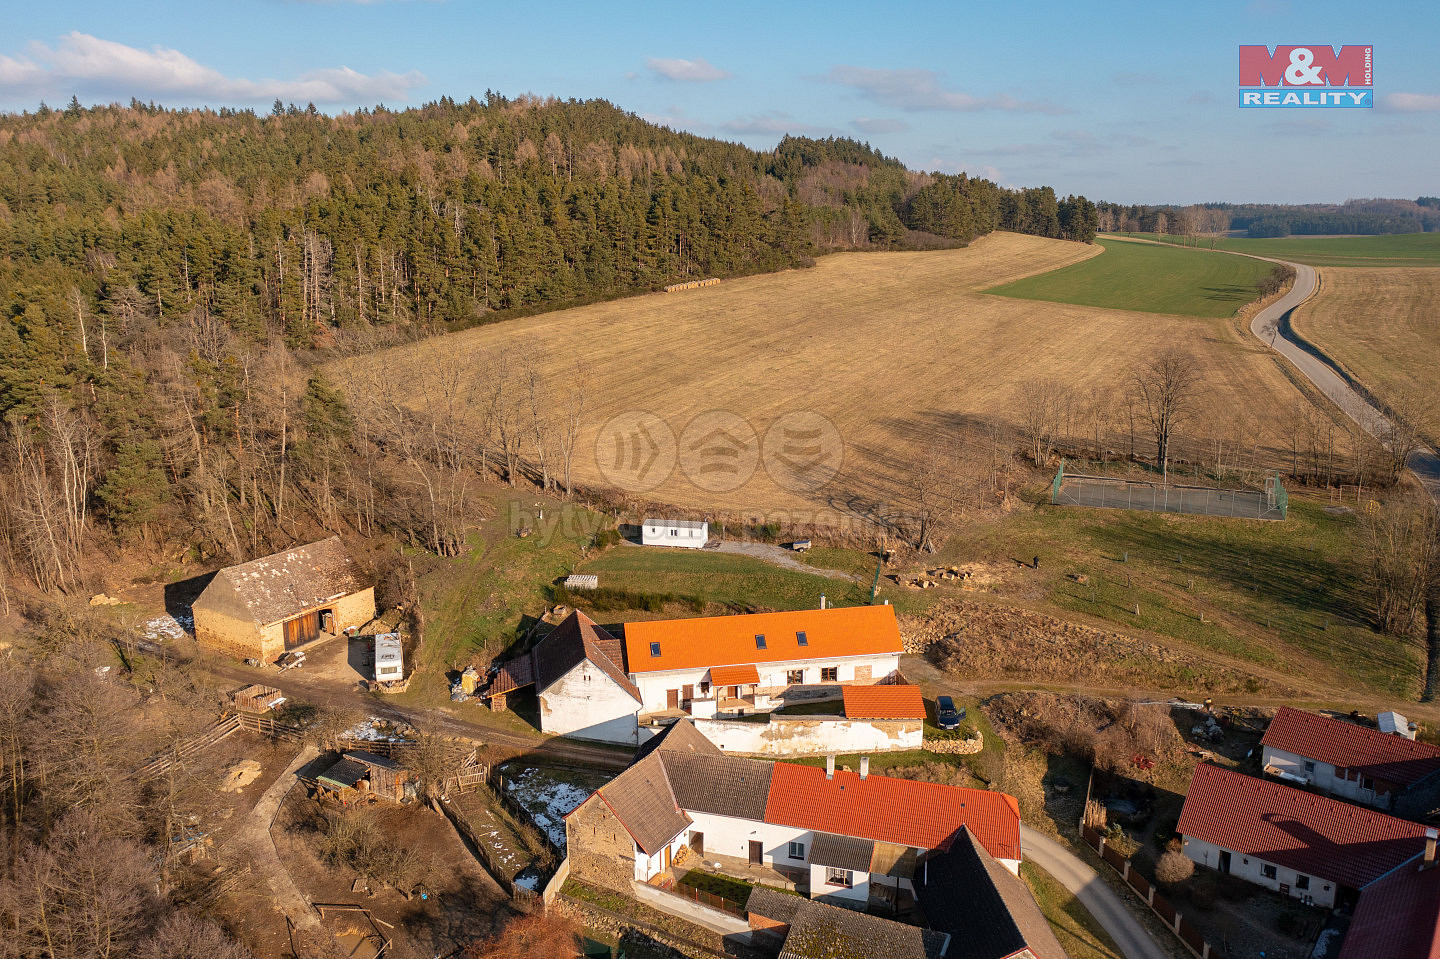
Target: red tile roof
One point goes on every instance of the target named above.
(1315, 835)
(730, 640)
(903, 811)
(1398, 917)
(883, 702)
(1344, 745)
(734, 675)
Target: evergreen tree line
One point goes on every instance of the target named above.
(1359, 217)
(169, 277)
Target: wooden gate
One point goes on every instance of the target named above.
(301, 629)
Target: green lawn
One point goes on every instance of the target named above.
(1080, 935)
(741, 583)
(1150, 279)
(1401, 249)
(1288, 595)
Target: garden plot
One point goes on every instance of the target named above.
(548, 793)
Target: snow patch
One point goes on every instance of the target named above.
(548, 800)
(160, 628)
(377, 730)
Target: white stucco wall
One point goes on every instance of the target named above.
(727, 836)
(1323, 777)
(773, 676)
(1251, 868)
(647, 866)
(855, 896)
(812, 735)
(660, 534)
(587, 704)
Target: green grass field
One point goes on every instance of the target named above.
(1403, 249)
(1288, 596)
(1149, 279)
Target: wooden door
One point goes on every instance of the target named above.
(687, 695)
(672, 699)
(757, 852)
(667, 857)
(301, 629)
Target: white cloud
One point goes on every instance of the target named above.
(1413, 102)
(686, 71)
(874, 125)
(80, 63)
(775, 122)
(915, 90)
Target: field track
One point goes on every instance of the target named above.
(900, 351)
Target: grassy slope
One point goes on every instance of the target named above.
(1404, 249)
(1078, 932)
(893, 348)
(1288, 596)
(1150, 279)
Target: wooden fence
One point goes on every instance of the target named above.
(525, 900)
(1188, 935)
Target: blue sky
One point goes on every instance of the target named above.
(1132, 102)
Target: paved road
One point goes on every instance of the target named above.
(1270, 328)
(1103, 902)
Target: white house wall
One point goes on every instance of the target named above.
(812, 735)
(773, 676)
(1323, 777)
(855, 896)
(728, 836)
(666, 536)
(1251, 869)
(587, 704)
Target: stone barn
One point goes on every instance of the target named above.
(267, 606)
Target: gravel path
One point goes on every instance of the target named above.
(779, 556)
(1102, 901)
(255, 839)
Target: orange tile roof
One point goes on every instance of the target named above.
(730, 640)
(883, 702)
(904, 811)
(1344, 745)
(734, 675)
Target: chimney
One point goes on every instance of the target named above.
(865, 771)
(830, 774)
(1430, 836)
(822, 600)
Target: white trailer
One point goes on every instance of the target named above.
(389, 658)
(688, 533)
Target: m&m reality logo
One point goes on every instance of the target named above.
(1316, 75)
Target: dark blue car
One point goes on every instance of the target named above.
(946, 715)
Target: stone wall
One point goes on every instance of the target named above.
(956, 747)
(600, 851)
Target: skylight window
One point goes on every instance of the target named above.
(801, 638)
(654, 649)
(759, 640)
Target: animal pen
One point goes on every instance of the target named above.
(1118, 492)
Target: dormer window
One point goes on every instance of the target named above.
(759, 640)
(801, 638)
(654, 650)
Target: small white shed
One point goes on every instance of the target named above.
(389, 658)
(689, 533)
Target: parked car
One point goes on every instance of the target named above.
(946, 715)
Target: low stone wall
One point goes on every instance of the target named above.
(956, 747)
(812, 735)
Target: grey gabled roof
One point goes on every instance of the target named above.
(643, 801)
(987, 910)
(841, 852)
(285, 584)
(681, 736)
(344, 774)
(577, 638)
(676, 523)
(821, 931)
(719, 785)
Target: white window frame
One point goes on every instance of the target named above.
(796, 850)
(834, 876)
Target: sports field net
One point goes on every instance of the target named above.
(1112, 492)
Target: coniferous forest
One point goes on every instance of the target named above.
(170, 276)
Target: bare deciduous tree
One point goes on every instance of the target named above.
(1165, 389)
(1402, 545)
(1040, 404)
